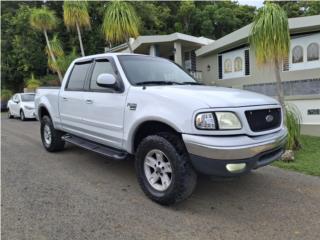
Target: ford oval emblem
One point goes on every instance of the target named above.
(269, 118)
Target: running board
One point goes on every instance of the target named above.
(96, 147)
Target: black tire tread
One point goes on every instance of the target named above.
(186, 177)
(57, 144)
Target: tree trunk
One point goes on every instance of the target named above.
(52, 55)
(279, 85)
(129, 45)
(80, 39)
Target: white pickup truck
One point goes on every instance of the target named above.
(127, 104)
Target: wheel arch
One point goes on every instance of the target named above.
(43, 111)
(147, 128)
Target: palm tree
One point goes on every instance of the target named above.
(62, 60)
(120, 22)
(32, 83)
(75, 15)
(270, 39)
(43, 19)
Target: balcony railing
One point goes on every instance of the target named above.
(197, 75)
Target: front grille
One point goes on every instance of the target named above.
(263, 120)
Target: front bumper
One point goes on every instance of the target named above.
(211, 154)
(29, 113)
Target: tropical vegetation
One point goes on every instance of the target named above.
(43, 19)
(120, 22)
(292, 121)
(76, 16)
(23, 49)
(32, 83)
(270, 39)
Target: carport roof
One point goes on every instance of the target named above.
(155, 39)
(236, 38)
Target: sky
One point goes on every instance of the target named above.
(257, 3)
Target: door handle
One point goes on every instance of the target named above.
(89, 101)
(64, 98)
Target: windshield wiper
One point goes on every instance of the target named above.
(157, 83)
(191, 83)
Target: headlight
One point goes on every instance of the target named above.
(28, 108)
(205, 121)
(217, 120)
(227, 121)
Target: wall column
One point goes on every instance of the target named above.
(152, 50)
(177, 53)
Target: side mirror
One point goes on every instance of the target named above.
(106, 80)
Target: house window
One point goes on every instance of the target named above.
(297, 54)
(234, 64)
(227, 66)
(304, 53)
(238, 64)
(313, 52)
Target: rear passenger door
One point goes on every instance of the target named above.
(71, 99)
(105, 106)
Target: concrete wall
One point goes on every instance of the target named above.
(265, 74)
(258, 74)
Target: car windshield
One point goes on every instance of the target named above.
(141, 70)
(27, 97)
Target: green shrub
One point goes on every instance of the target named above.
(6, 94)
(32, 83)
(292, 121)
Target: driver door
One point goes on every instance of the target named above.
(104, 107)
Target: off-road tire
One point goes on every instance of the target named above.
(184, 177)
(57, 144)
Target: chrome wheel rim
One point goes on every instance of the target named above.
(9, 114)
(47, 134)
(157, 169)
(22, 116)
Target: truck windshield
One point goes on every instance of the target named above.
(142, 70)
(27, 97)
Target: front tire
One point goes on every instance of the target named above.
(51, 138)
(22, 116)
(164, 170)
(9, 114)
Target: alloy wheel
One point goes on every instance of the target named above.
(47, 135)
(157, 169)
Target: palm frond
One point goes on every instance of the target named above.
(120, 22)
(32, 83)
(293, 120)
(43, 19)
(76, 12)
(56, 47)
(270, 36)
(62, 62)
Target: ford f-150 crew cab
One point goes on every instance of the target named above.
(148, 107)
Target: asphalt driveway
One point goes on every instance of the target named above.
(77, 194)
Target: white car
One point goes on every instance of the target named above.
(21, 105)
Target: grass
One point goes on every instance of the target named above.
(307, 159)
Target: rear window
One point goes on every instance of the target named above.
(27, 97)
(78, 76)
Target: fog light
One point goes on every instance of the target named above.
(236, 167)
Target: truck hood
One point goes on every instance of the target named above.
(216, 97)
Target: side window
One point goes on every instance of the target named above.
(78, 76)
(99, 68)
(297, 54)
